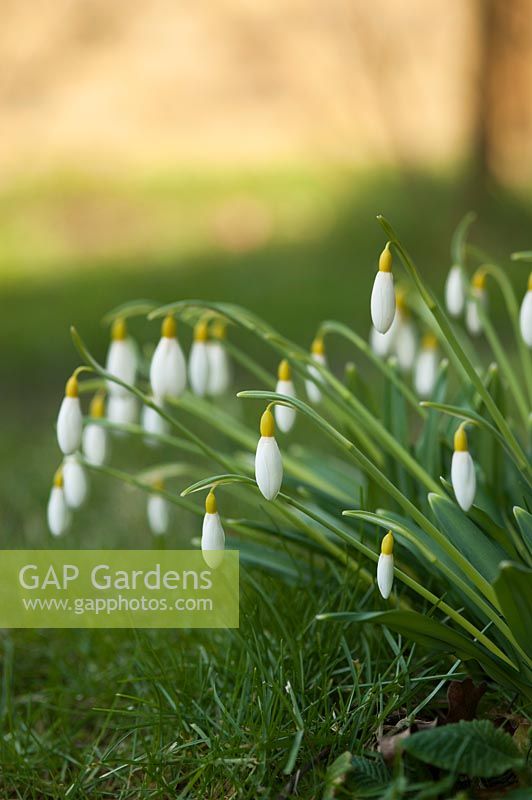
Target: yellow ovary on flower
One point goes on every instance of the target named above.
(267, 425)
(72, 389)
(460, 440)
(284, 372)
(169, 327)
(318, 346)
(387, 544)
(201, 332)
(119, 330)
(219, 329)
(386, 259)
(479, 279)
(429, 342)
(210, 503)
(58, 478)
(97, 406)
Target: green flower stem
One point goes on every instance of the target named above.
(374, 472)
(331, 326)
(455, 350)
(404, 578)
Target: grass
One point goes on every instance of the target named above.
(200, 714)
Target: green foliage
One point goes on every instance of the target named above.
(476, 748)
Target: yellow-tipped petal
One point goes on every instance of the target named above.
(169, 327)
(97, 406)
(460, 440)
(284, 372)
(219, 329)
(387, 544)
(267, 425)
(201, 332)
(318, 347)
(386, 259)
(72, 388)
(58, 478)
(119, 330)
(429, 342)
(210, 503)
(479, 279)
(400, 301)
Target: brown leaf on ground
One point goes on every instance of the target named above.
(463, 698)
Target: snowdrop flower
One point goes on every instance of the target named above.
(382, 343)
(158, 510)
(383, 293)
(478, 295)
(75, 483)
(284, 416)
(405, 340)
(385, 566)
(317, 354)
(268, 462)
(198, 364)
(58, 513)
(122, 410)
(154, 425)
(168, 370)
(219, 367)
(95, 438)
(212, 535)
(463, 476)
(426, 366)
(70, 420)
(121, 358)
(525, 314)
(455, 291)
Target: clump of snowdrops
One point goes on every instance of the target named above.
(438, 462)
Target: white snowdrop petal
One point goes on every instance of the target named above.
(268, 467)
(313, 391)
(382, 343)
(405, 344)
(382, 301)
(385, 575)
(75, 482)
(426, 371)
(158, 510)
(284, 416)
(122, 363)
(212, 540)
(525, 318)
(455, 293)
(463, 478)
(219, 373)
(473, 321)
(153, 423)
(58, 513)
(198, 368)
(69, 425)
(95, 444)
(122, 410)
(168, 370)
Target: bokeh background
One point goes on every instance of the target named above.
(240, 151)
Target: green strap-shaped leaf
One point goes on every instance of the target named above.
(524, 520)
(476, 748)
(513, 588)
(483, 553)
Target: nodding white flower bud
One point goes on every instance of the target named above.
(385, 566)
(158, 510)
(382, 344)
(198, 364)
(525, 314)
(58, 513)
(455, 294)
(268, 461)
(383, 294)
(212, 535)
(95, 438)
(317, 354)
(70, 420)
(168, 370)
(405, 339)
(122, 410)
(75, 483)
(284, 416)
(121, 358)
(426, 366)
(478, 295)
(219, 367)
(153, 423)
(463, 476)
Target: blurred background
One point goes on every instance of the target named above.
(239, 151)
